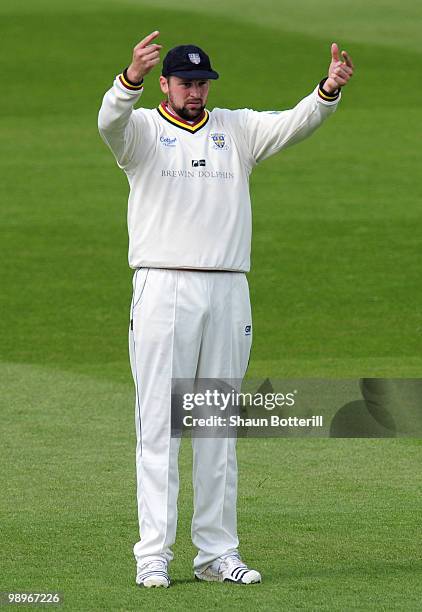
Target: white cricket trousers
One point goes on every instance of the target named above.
(185, 324)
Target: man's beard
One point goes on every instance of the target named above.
(186, 113)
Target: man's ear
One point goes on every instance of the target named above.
(164, 84)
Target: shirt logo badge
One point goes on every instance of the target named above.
(194, 58)
(168, 142)
(219, 141)
(248, 329)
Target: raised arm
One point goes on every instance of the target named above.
(267, 133)
(116, 123)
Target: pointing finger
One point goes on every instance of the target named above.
(147, 39)
(334, 52)
(347, 59)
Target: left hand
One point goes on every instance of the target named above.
(339, 71)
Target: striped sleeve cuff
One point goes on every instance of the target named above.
(128, 84)
(324, 95)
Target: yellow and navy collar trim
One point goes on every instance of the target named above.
(184, 125)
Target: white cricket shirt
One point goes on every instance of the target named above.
(189, 203)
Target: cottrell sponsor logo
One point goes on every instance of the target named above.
(168, 142)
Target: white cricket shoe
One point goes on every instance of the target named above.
(229, 568)
(152, 574)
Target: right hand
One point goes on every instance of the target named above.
(145, 57)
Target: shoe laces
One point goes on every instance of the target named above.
(229, 562)
(153, 565)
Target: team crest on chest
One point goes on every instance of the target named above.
(194, 58)
(219, 140)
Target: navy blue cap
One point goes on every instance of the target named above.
(188, 62)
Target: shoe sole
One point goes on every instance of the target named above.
(218, 579)
(152, 586)
(209, 578)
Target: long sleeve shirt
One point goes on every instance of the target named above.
(189, 203)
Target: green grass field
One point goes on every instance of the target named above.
(335, 284)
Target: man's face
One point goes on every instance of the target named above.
(186, 97)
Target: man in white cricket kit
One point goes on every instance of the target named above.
(189, 221)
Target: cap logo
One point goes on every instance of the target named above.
(194, 58)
